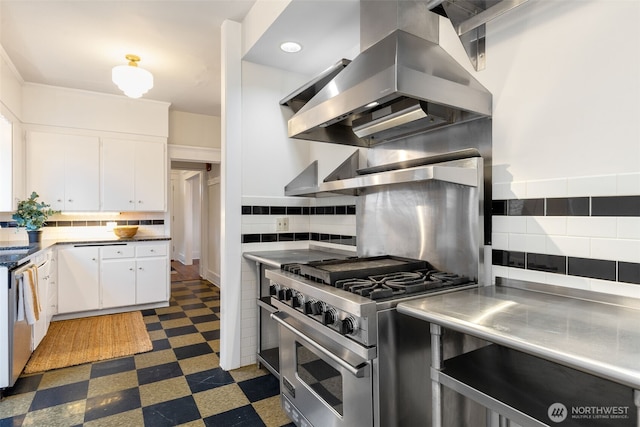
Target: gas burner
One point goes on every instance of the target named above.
(450, 279)
(291, 268)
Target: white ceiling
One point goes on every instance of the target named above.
(75, 43)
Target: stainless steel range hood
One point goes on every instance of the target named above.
(401, 84)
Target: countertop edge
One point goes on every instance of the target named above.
(34, 250)
(276, 258)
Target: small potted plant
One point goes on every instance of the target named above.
(32, 215)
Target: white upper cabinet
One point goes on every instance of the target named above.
(133, 175)
(6, 163)
(63, 170)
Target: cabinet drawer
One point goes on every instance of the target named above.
(115, 252)
(151, 250)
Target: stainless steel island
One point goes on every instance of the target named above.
(556, 354)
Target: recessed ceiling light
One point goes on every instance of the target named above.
(291, 47)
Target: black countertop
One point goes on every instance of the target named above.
(15, 253)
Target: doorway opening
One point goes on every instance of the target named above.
(194, 217)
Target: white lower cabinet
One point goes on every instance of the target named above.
(117, 275)
(118, 283)
(130, 274)
(150, 275)
(78, 279)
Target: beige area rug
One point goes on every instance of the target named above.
(90, 339)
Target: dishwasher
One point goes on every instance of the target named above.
(18, 335)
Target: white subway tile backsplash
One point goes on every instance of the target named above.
(627, 250)
(502, 191)
(568, 281)
(519, 190)
(518, 242)
(500, 240)
(499, 271)
(509, 190)
(536, 243)
(547, 188)
(568, 246)
(628, 184)
(628, 228)
(517, 224)
(500, 224)
(602, 185)
(547, 225)
(617, 288)
(603, 237)
(587, 226)
(528, 275)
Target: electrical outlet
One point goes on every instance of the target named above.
(282, 224)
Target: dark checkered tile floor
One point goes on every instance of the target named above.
(180, 382)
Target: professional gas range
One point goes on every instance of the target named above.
(344, 295)
(334, 318)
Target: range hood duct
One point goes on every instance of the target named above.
(401, 84)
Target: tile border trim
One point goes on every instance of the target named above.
(595, 206)
(614, 271)
(299, 237)
(299, 210)
(89, 223)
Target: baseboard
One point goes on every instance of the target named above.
(213, 277)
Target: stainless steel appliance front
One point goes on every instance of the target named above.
(20, 338)
(330, 385)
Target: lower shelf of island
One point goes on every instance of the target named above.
(535, 392)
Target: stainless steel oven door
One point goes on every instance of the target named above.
(322, 384)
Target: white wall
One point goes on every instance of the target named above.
(10, 86)
(269, 159)
(213, 232)
(197, 130)
(566, 83)
(78, 109)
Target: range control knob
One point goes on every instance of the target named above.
(329, 317)
(288, 294)
(282, 294)
(317, 307)
(297, 300)
(347, 326)
(308, 307)
(273, 290)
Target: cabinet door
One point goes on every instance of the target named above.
(152, 281)
(118, 283)
(150, 176)
(82, 174)
(64, 170)
(78, 279)
(45, 168)
(118, 164)
(6, 165)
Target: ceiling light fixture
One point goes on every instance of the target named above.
(131, 79)
(291, 47)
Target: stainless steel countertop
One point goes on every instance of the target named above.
(598, 338)
(277, 258)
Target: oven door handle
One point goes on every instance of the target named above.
(357, 371)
